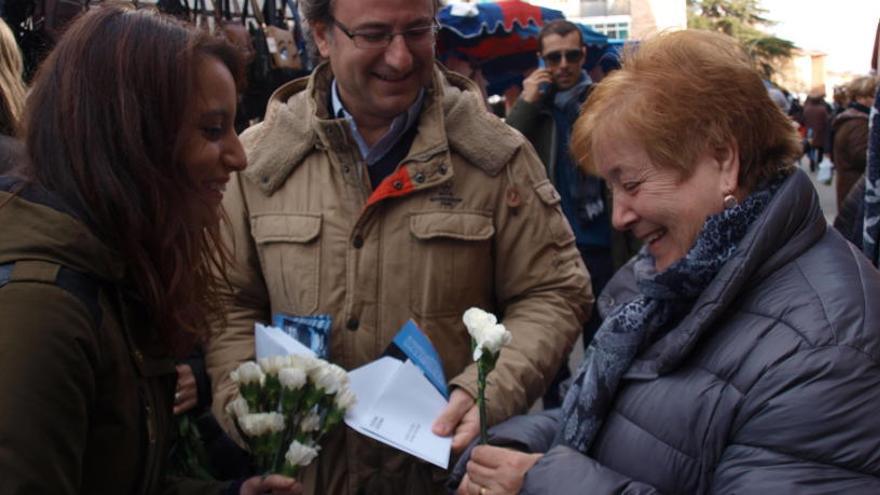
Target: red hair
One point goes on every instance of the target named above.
(682, 93)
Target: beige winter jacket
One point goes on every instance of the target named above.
(468, 219)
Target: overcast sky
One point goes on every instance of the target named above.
(843, 29)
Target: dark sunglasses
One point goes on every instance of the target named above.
(571, 56)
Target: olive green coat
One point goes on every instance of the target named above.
(86, 407)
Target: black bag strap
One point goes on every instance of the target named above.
(298, 34)
(83, 287)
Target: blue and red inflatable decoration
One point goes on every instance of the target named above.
(502, 38)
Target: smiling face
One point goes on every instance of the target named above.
(663, 210)
(377, 84)
(210, 148)
(565, 73)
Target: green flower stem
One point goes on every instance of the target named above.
(481, 400)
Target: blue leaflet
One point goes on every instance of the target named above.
(311, 331)
(411, 343)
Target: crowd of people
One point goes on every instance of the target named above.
(731, 342)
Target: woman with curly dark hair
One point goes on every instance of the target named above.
(109, 246)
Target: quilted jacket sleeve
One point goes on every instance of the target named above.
(562, 470)
(827, 399)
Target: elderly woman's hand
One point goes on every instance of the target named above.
(496, 471)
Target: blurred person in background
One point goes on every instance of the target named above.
(545, 112)
(12, 95)
(816, 121)
(110, 233)
(737, 354)
(851, 135)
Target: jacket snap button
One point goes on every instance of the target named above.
(442, 169)
(420, 177)
(264, 179)
(352, 324)
(358, 241)
(397, 185)
(346, 169)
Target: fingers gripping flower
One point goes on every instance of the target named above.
(487, 339)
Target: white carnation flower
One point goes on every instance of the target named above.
(273, 364)
(292, 378)
(475, 319)
(238, 408)
(305, 363)
(275, 422)
(345, 399)
(484, 328)
(247, 373)
(312, 422)
(329, 378)
(259, 424)
(300, 455)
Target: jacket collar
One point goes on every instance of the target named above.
(777, 237)
(454, 119)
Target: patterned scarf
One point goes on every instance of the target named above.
(871, 234)
(665, 298)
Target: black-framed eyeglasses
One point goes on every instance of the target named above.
(571, 56)
(374, 38)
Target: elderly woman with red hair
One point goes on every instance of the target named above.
(737, 353)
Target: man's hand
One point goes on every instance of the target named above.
(495, 470)
(532, 84)
(186, 395)
(274, 484)
(460, 419)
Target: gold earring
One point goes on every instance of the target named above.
(730, 201)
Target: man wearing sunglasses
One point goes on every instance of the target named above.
(545, 112)
(378, 190)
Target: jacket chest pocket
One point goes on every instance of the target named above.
(289, 251)
(451, 266)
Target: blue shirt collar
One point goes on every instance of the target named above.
(399, 126)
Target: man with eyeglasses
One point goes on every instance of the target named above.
(378, 190)
(545, 112)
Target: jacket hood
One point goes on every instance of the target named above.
(847, 115)
(778, 236)
(299, 109)
(36, 225)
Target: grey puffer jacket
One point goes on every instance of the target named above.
(770, 385)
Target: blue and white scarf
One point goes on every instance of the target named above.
(665, 298)
(871, 233)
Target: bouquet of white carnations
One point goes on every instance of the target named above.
(487, 338)
(286, 404)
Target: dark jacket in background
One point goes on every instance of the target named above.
(86, 397)
(770, 385)
(535, 121)
(816, 117)
(850, 149)
(850, 219)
